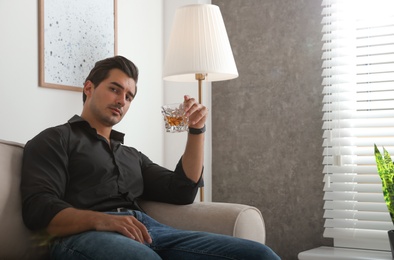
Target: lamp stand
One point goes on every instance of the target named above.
(200, 77)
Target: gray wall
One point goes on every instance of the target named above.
(267, 137)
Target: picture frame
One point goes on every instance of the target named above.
(73, 35)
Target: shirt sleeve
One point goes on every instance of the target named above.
(44, 178)
(163, 185)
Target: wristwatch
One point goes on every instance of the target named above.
(197, 131)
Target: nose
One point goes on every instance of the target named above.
(121, 100)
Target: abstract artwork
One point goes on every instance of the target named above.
(74, 34)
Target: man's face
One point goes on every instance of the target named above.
(110, 100)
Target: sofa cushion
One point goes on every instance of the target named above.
(15, 240)
(230, 219)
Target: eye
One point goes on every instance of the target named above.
(113, 89)
(129, 98)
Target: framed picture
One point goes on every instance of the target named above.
(73, 35)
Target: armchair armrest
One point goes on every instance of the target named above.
(231, 219)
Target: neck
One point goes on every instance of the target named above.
(104, 131)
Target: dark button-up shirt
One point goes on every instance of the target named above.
(72, 166)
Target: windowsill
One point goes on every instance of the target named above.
(335, 253)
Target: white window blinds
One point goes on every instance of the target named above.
(358, 106)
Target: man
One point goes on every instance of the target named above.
(77, 176)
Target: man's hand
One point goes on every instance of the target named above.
(196, 112)
(72, 221)
(126, 225)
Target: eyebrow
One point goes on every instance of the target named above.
(120, 86)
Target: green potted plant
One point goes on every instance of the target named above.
(386, 172)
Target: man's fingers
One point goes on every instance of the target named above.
(196, 112)
(128, 226)
(198, 115)
(139, 231)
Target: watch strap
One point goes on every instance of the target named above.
(197, 131)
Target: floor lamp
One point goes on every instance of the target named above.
(199, 49)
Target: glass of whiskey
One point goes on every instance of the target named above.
(174, 118)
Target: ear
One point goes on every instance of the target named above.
(88, 88)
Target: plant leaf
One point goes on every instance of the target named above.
(386, 172)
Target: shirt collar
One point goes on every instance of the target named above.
(115, 135)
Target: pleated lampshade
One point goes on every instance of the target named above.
(199, 44)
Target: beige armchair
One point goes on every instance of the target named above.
(16, 240)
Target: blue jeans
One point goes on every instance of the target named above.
(168, 243)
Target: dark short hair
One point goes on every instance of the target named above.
(101, 71)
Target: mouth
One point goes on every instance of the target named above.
(116, 111)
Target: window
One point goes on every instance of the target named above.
(358, 106)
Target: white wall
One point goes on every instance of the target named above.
(143, 31)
